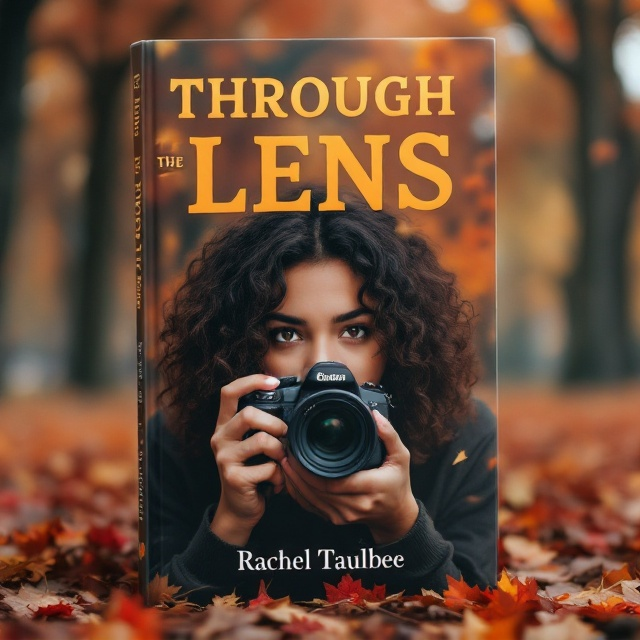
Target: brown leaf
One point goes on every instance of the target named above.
(231, 600)
(13, 568)
(159, 591)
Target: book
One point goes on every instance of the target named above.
(315, 290)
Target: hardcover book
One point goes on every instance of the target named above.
(315, 279)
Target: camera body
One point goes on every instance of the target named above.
(331, 430)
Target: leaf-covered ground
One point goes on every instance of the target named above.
(569, 552)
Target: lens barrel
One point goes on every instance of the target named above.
(332, 434)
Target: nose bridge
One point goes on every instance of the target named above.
(322, 348)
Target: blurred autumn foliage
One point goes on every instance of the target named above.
(568, 557)
(569, 307)
(568, 123)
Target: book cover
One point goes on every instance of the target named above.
(315, 280)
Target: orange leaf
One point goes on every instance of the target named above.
(460, 595)
(38, 537)
(511, 599)
(615, 576)
(131, 611)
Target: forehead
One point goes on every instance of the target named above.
(330, 284)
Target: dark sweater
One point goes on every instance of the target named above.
(455, 533)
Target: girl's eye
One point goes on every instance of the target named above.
(355, 332)
(285, 335)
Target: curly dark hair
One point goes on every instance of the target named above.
(215, 329)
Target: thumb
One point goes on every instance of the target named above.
(389, 436)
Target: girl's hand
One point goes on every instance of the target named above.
(380, 498)
(241, 504)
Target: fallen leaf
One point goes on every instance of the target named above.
(459, 595)
(615, 576)
(301, 626)
(262, 597)
(569, 627)
(60, 610)
(143, 623)
(525, 553)
(107, 538)
(221, 620)
(37, 537)
(159, 591)
(461, 457)
(631, 591)
(231, 600)
(352, 591)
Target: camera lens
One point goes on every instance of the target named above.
(332, 434)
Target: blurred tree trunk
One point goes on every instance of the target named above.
(13, 51)
(88, 345)
(606, 177)
(601, 346)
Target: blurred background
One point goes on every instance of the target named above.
(568, 98)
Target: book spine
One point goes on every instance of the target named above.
(140, 198)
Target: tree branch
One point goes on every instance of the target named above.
(567, 69)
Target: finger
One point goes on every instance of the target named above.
(304, 478)
(389, 436)
(261, 473)
(260, 442)
(230, 393)
(311, 491)
(277, 479)
(300, 496)
(332, 489)
(329, 489)
(251, 419)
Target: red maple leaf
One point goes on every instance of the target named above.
(378, 593)
(353, 591)
(60, 610)
(262, 598)
(106, 538)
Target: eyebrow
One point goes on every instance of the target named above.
(343, 317)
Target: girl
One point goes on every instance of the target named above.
(270, 297)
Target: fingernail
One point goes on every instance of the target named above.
(271, 381)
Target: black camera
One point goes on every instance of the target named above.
(331, 430)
